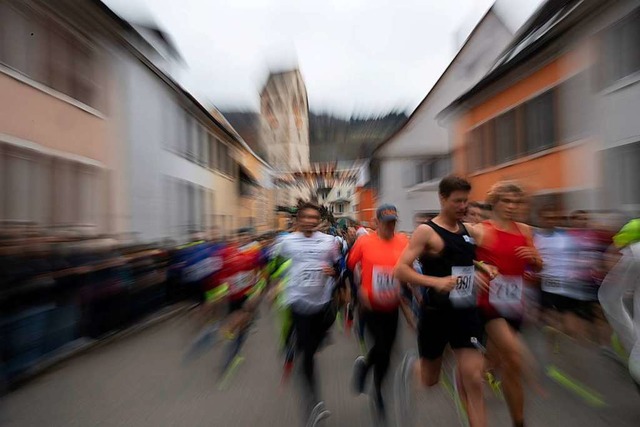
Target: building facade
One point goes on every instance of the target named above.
(97, 138)
(54, 128)
(409, 165)
(284, 135)
(555, 110)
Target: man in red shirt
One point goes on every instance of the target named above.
(379, 295)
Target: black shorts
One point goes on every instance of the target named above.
(441, 326)
(565, 304)
(237, 304)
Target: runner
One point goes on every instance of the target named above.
(508, 245)
(314, 257)
(624, 278)
(474, 213)
(380, 297)
(241, 273)
(561, 309)
(446, 249)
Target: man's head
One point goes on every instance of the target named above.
(308, 217)
(474, 213)
(579, 219)
(549, 217)
(387, 218)
(506, 199)
(245, 235)
(454, 196)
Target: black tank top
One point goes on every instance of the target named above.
(459, 251)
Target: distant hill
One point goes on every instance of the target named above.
(333, 138)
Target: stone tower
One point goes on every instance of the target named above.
(284, 122)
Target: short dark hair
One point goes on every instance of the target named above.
(578, 213)
(547, 209)
(308, 205)
(453, 183)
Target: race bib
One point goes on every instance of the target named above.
(385, 286)
(551, 284)
(312, 277)
(462, 294)
(241, 281)
(506, 291)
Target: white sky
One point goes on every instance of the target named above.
(356, 56)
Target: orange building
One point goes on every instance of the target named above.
(530, 118)
(366, 204)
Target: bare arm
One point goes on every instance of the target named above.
(404, 271)
(529, 253)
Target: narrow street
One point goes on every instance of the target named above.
(140, 381)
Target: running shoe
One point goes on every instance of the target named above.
(318, 413)
(359, 374)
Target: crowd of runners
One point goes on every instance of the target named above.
(466, 281)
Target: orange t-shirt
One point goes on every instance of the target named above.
(378, 258)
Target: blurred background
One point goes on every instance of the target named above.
(137, 135)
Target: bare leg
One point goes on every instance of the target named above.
(509, 346)
(470, 364)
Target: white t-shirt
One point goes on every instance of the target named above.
(361, 232)
(556, 250)
(308, 288)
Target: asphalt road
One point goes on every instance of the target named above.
(140, 381)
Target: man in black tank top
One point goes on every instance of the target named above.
(446, 250)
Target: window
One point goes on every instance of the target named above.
(539, 123)
(433, 169)
(340, 208)
(488, 148)
(203, 143)
(576, 108)
(623, 174)
(189, 136)
(338, 193)
(506, 137)
(620, 54)
(221, 157)
(47, 190)
(46, 52)
(474, 150)
(212, 151)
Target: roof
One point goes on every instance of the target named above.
(551, 20)
(163, 36)
(341, 200)
(273, 74)
(473, 32)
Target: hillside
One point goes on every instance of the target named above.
(331, 138)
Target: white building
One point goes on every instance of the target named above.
(119, 147)
(341, 196)
(407, 167)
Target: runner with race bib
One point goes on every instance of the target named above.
(449, 316)
(379, 295)
(314, 264)
(507, 245)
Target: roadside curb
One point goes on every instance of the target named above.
(83, 346)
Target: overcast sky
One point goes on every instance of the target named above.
(356, 56)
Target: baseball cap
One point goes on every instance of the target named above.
(387, 212)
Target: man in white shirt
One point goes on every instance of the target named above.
(314, 259)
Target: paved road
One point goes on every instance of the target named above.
(139, 381)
